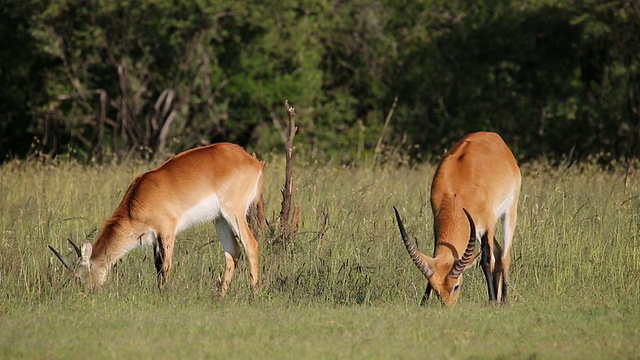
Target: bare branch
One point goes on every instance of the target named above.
(287, 190)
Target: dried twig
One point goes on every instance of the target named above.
(287, 190)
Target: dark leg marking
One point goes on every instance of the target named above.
(504, 289)
(427, 295)
(158, 255)
(486, 268)
(498, 269)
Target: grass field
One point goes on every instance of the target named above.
(354, 293)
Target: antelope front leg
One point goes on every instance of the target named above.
(159, 261)
(162, 253)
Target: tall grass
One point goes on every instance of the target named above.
(577, 236)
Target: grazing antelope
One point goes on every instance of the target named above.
(216, 183)
(476, 183)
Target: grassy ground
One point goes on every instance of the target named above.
(575, 282)
(168, 328)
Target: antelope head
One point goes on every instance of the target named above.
(443, 271)
(80, 266)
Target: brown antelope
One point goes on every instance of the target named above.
(476, 183)
(216, 183)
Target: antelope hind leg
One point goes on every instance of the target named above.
(486, 267)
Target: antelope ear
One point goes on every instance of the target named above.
(430, 262)
(86, 253)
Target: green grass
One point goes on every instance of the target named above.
(575, 275)
(162, 327)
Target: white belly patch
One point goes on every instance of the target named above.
(206, 210)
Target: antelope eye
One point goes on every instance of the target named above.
(456, 287)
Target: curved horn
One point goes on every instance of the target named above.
(461, 263)
(63, 260)
(76, 248)
(413, 253)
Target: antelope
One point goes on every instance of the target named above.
(218, 183)
(476, 183)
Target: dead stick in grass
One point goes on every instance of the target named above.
(287, 190)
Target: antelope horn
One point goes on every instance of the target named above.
(62, 259)
(460, 264)
(76, 248)
(413, 253)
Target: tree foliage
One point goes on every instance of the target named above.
(554, 78)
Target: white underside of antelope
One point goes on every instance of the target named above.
(206, 210)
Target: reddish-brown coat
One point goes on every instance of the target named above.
(479, 173)
(218, 181)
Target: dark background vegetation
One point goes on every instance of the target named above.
(105, 79)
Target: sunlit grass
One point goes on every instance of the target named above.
(353, 292)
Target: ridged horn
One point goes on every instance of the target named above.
(460, 264)
(62, 259)
(413, 253)
(76, 248)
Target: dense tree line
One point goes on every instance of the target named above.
(367, 77)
